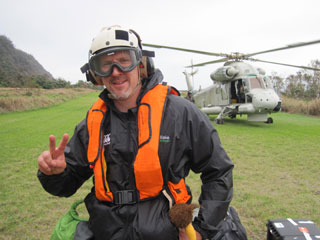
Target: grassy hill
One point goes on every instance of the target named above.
(276, 172)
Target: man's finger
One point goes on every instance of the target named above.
(57, 165)
(43, 165)
(52, 144)
(63, 142)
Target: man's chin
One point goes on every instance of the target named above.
(120, 97)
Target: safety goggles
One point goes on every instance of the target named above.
(124, 58)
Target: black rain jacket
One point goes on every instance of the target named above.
(188, 140)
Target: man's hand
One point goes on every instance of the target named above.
(53, 161)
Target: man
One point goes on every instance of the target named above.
(140, 141)
(189, 96)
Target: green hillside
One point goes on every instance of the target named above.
(16, 65)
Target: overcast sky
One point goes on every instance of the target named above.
(58, 33)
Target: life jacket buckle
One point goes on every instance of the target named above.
(125, 197)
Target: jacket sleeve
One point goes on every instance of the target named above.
(77, 170)
(205, 154)
(209, 158)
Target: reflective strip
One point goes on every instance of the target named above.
(293, 222)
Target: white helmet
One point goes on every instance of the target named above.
(116, 47)
(114, 36)
(114, 42)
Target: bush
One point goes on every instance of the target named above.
(308, 107)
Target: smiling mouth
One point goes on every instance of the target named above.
(118, 81)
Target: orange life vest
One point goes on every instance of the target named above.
(147, 167)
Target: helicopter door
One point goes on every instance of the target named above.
(224, 95)
(233, 92)
(237, 92)
(221, 95)
(241, 98)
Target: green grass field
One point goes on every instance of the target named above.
(276, 172)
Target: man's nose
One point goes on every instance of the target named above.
(116, 71)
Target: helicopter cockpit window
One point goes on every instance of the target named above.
(256, 82)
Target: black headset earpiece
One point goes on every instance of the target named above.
(150, 66)
(90, 78)
(147, 63)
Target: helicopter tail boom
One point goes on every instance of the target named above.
(188, 80)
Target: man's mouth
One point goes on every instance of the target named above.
(118, 81)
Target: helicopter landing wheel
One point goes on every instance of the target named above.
(219, 121)
(269, 120)
(232, 116)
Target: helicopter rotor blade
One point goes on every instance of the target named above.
(185, 50)
(210, 62)
(284, 64)
(294, 45)
(239, 56)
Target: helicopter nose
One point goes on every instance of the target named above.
(266, 101)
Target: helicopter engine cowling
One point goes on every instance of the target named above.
(224, 74)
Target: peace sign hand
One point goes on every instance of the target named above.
(53, 161)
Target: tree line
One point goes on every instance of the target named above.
(305, 84)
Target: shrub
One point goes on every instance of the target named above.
(308, 107)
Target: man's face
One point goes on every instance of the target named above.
(120, 84)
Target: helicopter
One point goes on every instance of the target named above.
(239, 87)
